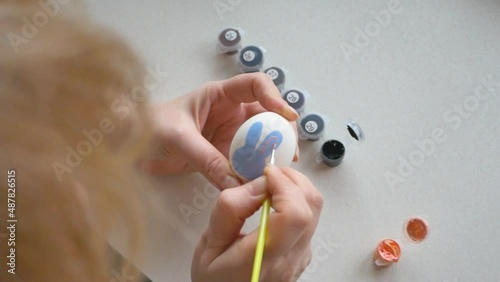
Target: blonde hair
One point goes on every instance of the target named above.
(72, 151)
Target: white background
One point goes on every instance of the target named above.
(400, 87)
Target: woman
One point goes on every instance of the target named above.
(77, 134)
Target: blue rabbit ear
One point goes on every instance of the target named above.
(253, 134)
(266, 147)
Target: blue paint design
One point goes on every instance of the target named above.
(250, 161)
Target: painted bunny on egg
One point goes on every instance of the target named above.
(250, 161)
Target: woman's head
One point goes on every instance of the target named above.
(72, 130)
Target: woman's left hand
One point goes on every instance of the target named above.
(194, 132)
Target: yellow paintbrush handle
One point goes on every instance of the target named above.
(261, 240)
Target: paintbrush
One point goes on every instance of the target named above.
(261, 239)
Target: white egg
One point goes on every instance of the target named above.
(253, 143)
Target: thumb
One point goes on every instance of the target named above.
(231, 210)
(206, 159)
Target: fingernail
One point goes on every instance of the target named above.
(269, 168)
(291, 113)
(230, 182)
(257, 187)
(296, 156)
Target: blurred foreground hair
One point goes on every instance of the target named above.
(70, 131)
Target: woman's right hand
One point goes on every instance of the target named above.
(225, 254)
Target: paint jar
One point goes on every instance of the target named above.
(388, 252)
(277, 75)
(296, 98)
(251, 59)
(229, 41)
(416, 229)
(332, 153)
(311, 126)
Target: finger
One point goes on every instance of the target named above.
(314, 199)
(162, 167)
(204, 157)
(313, 196)
(247, 88)
(232, 208)
(292, 213)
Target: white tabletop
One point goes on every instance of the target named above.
(418, 77)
